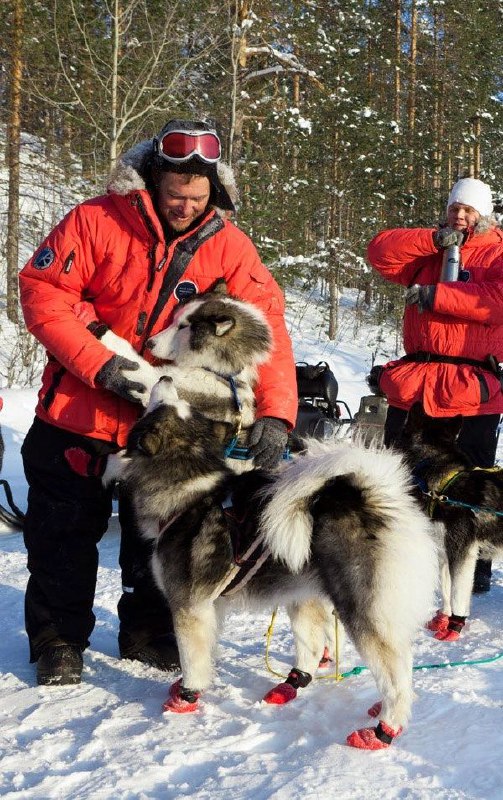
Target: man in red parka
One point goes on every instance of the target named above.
(160, 234)
(453, 331)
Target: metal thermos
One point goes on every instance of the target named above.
(450, 264)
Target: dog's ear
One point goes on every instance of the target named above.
(147, 441)
(222, 325)
(452, 427)
(219, 287)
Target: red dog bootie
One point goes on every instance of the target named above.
(325, 660)
(439, 622)
(375, 710)
(280, 694)
(181, 700)
(284, 692)
(453, 630)
(373, 738)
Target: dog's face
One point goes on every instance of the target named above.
(161, 420)
(214, 331)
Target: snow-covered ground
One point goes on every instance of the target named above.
(107, 738)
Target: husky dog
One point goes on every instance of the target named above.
(214, 346)
(338, 524)
(469, 496)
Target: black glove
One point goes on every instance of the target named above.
(113, 376)
(424, 296)
(267, 441)
(373, 379)
(446, 237)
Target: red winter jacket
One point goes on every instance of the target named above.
(111, 251)
(466, 321)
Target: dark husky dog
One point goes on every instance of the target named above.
(339, 524)
(469, 498)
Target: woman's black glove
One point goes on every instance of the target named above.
(423, 296)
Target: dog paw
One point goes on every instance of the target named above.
(378, 738)
(375, 710)
(181, 700)
(281, 694)
(439, 622)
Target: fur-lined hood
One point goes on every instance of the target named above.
(128, 175)
(483, 225)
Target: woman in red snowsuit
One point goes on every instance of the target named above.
(453, 332)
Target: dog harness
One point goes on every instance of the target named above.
(246, 564)
(232, 450)
(438, 495)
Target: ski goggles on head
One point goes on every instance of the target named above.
(180, 146)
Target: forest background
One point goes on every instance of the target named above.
(339, 119)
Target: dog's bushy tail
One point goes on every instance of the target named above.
(379, 475)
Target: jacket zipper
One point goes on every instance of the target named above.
(68, 262)
(155, 239)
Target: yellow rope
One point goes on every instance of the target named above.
(337, 676)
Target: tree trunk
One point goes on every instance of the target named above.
(238, 60)
(333, 314)
(13, 165)
(411, 111)
(115, 77)
(398, 56)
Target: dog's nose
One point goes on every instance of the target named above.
(149, 344)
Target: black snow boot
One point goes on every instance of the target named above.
(161, 653)
(59, 665)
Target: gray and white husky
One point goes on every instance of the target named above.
(214, 346)
(338, 523)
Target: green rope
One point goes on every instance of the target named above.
(359, 670)
(338, 676)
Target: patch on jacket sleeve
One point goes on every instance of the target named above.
(44, 258)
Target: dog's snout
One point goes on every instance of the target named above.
(149, 344)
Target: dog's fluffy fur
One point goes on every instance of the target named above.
(341, 524)
(430, 447)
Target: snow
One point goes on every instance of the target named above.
(108, 739)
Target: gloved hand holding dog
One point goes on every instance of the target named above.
(267, 441)
(446, 237)
(113, 376)
(423, 296)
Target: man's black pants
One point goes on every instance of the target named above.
(67, 515)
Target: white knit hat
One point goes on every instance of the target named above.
(474, 193)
